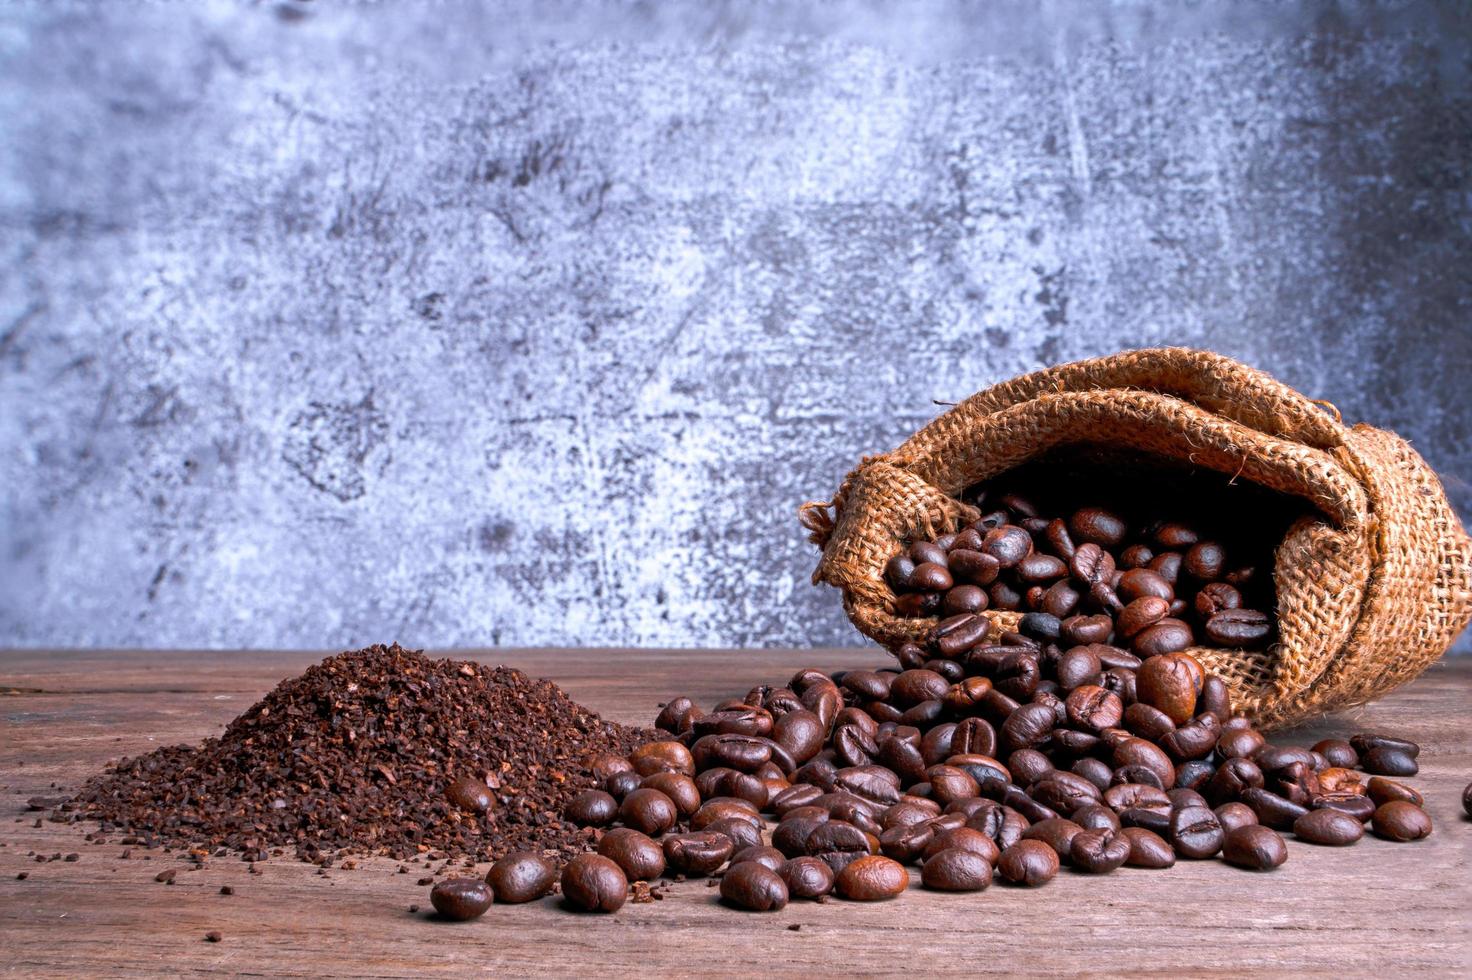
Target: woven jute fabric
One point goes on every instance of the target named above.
(1371, 588)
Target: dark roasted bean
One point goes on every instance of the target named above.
(594, 883)
(872, 878)
(636, 854)
(1384, 760)
(1099, 851)
(1383, 790)
(472, 794)
(459, 899)
(697, 853)
(592, 808)
(1272, 810)
(1171, 683)
(1195, 832)
(1399, 820)
(1255, 848)
(753, 887)
(1148, 849)
(1328, 826)
(1338, 752)
(1234, 815)
(956, 869)
(521, 876)
(648, 811)
(1057, 833)
(1245, 628)
(1029, 863)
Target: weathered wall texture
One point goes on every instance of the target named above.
(474, 325)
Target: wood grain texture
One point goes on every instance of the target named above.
(1377, 908)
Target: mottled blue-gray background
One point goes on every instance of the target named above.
(528, 324)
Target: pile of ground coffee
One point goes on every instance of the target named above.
(379, 751)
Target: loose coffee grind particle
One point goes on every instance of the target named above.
(358, 754)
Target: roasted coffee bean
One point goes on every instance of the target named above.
(931, 577)
(1365, 741)
(974, 736)
(801, 732)
(1234, 815)
(1064, 792)
(1165, 637)
(1215, 597)
(1182, 797)
(1194, 740)
(1272, 810)
(1467, 800)
(1017, 676)
(1140, 583)
(1095, 771)
(521, 876)
(1027, 726)
(949, 783)
(761, 854)
(1273, 759)
(1205, 561)
(697, 853)
(648, 811)
(963, 599)
(661, 757)
(606, 764)
(1029, 863)
(636, 853)
(1148, 722)
(1332, 779)
(680, 789)
(1399, 820)
(1255, 848)
(1096, 526)
(1232, 778)
(1329, 827)
(1241, 743)
(974, 567)
(1383, 790)
(872, 878)
(1028, 765)
(1099, 851)
(1142, 613)
(1171, 683)
(954, 636)
(956, 870)
(1132, 751)
(1096, 816)
(753, 887)
(1038, 567)
(594, 883)
(1384, 760)
(1091, 564)
(1215, 698)
(1357, 806)
(1194, 774)
(591, 808)
(1077, 667)
(961, 838)
(928, 551)
(1338, 752)
(1008, 545)
(1015, 798)
(1243, 628)
(472, 794)
(1167, 565)
(1085, 630)
(1147, 849)
(676, 715)
(1094, 708)
(807, 877)
(1195, 832)
(621, 784)
(460, 899)
(1057, 832)
(1127, 796)
(1156, 821)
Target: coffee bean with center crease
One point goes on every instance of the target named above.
(1029, 863)
(1239, 628)
(594, 883)
(1027, 726)
(1171, 683)
(1099, 851)
(461, 899)
(956, 869)
(957, 634)
(661, 757)
(636, 853)
(1400, 821)
(1195, 832)
(697, 853)
(1329, 827)
(753, 887)
(1255, 847)
(521, 876)
(807, 877)
(872, 879)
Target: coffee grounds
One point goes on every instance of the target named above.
(356, 756)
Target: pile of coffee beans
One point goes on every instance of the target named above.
(1151, 587)
(375, 751)
(1086, 738)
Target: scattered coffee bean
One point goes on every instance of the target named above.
(956, 869)
(1328, 826)
(635, 853)
(1255, 847)
(1029, 863)
(521, 876)
(1148, 849)
(460, 899)
(1099, 851)
(1399, 820)
(592, 808)
(214, 936)
(807, 877)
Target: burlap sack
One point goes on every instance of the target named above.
(1369, 592)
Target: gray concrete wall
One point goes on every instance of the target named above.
(323, 324)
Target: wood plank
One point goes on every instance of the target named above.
(1373, 909)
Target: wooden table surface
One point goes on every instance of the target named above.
(1376, 908)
